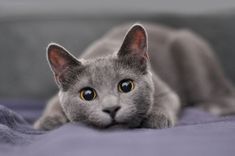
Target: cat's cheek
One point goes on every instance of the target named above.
(72, 112)
(125, 113)
(129, 118)
(71, 106)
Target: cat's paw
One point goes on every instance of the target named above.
(158, 121)
(50, 122)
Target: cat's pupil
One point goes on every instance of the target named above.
(87, 94)
(126, 86)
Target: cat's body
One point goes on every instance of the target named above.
(183, 71)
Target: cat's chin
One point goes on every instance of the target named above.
(128, 123)
(112, 125)
(119, 125)
(116, 125)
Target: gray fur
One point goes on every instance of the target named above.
(182, 70)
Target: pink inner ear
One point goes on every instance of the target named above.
(57, 59)
(138, 44)
(138, 40)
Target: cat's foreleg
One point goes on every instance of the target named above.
(164, 112)
(52, 117)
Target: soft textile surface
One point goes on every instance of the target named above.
(198, 133)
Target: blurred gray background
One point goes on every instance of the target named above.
(110, 7)
(27, 26)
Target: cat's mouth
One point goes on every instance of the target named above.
(115, 124)
(132, 122)
(123, 125)
(112, 124)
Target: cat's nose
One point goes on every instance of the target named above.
(112, 111)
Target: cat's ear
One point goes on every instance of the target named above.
(135, 43)
(60, 60)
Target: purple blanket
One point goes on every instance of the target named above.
(198, 133)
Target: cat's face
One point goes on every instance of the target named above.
(106, 91)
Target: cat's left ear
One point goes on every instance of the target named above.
(135, 43)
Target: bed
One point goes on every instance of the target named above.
(197, 133)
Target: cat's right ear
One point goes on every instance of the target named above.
(60, 60)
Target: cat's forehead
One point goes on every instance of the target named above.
(101, 69)
(104, 72)
(108, 68)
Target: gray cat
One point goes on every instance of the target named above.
(135, 82)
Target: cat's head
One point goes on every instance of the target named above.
(116, 89)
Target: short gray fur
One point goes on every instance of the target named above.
(182, 70)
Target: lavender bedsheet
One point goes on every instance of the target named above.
(197, 133)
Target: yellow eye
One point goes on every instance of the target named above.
(88, 94)
(126, 85)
